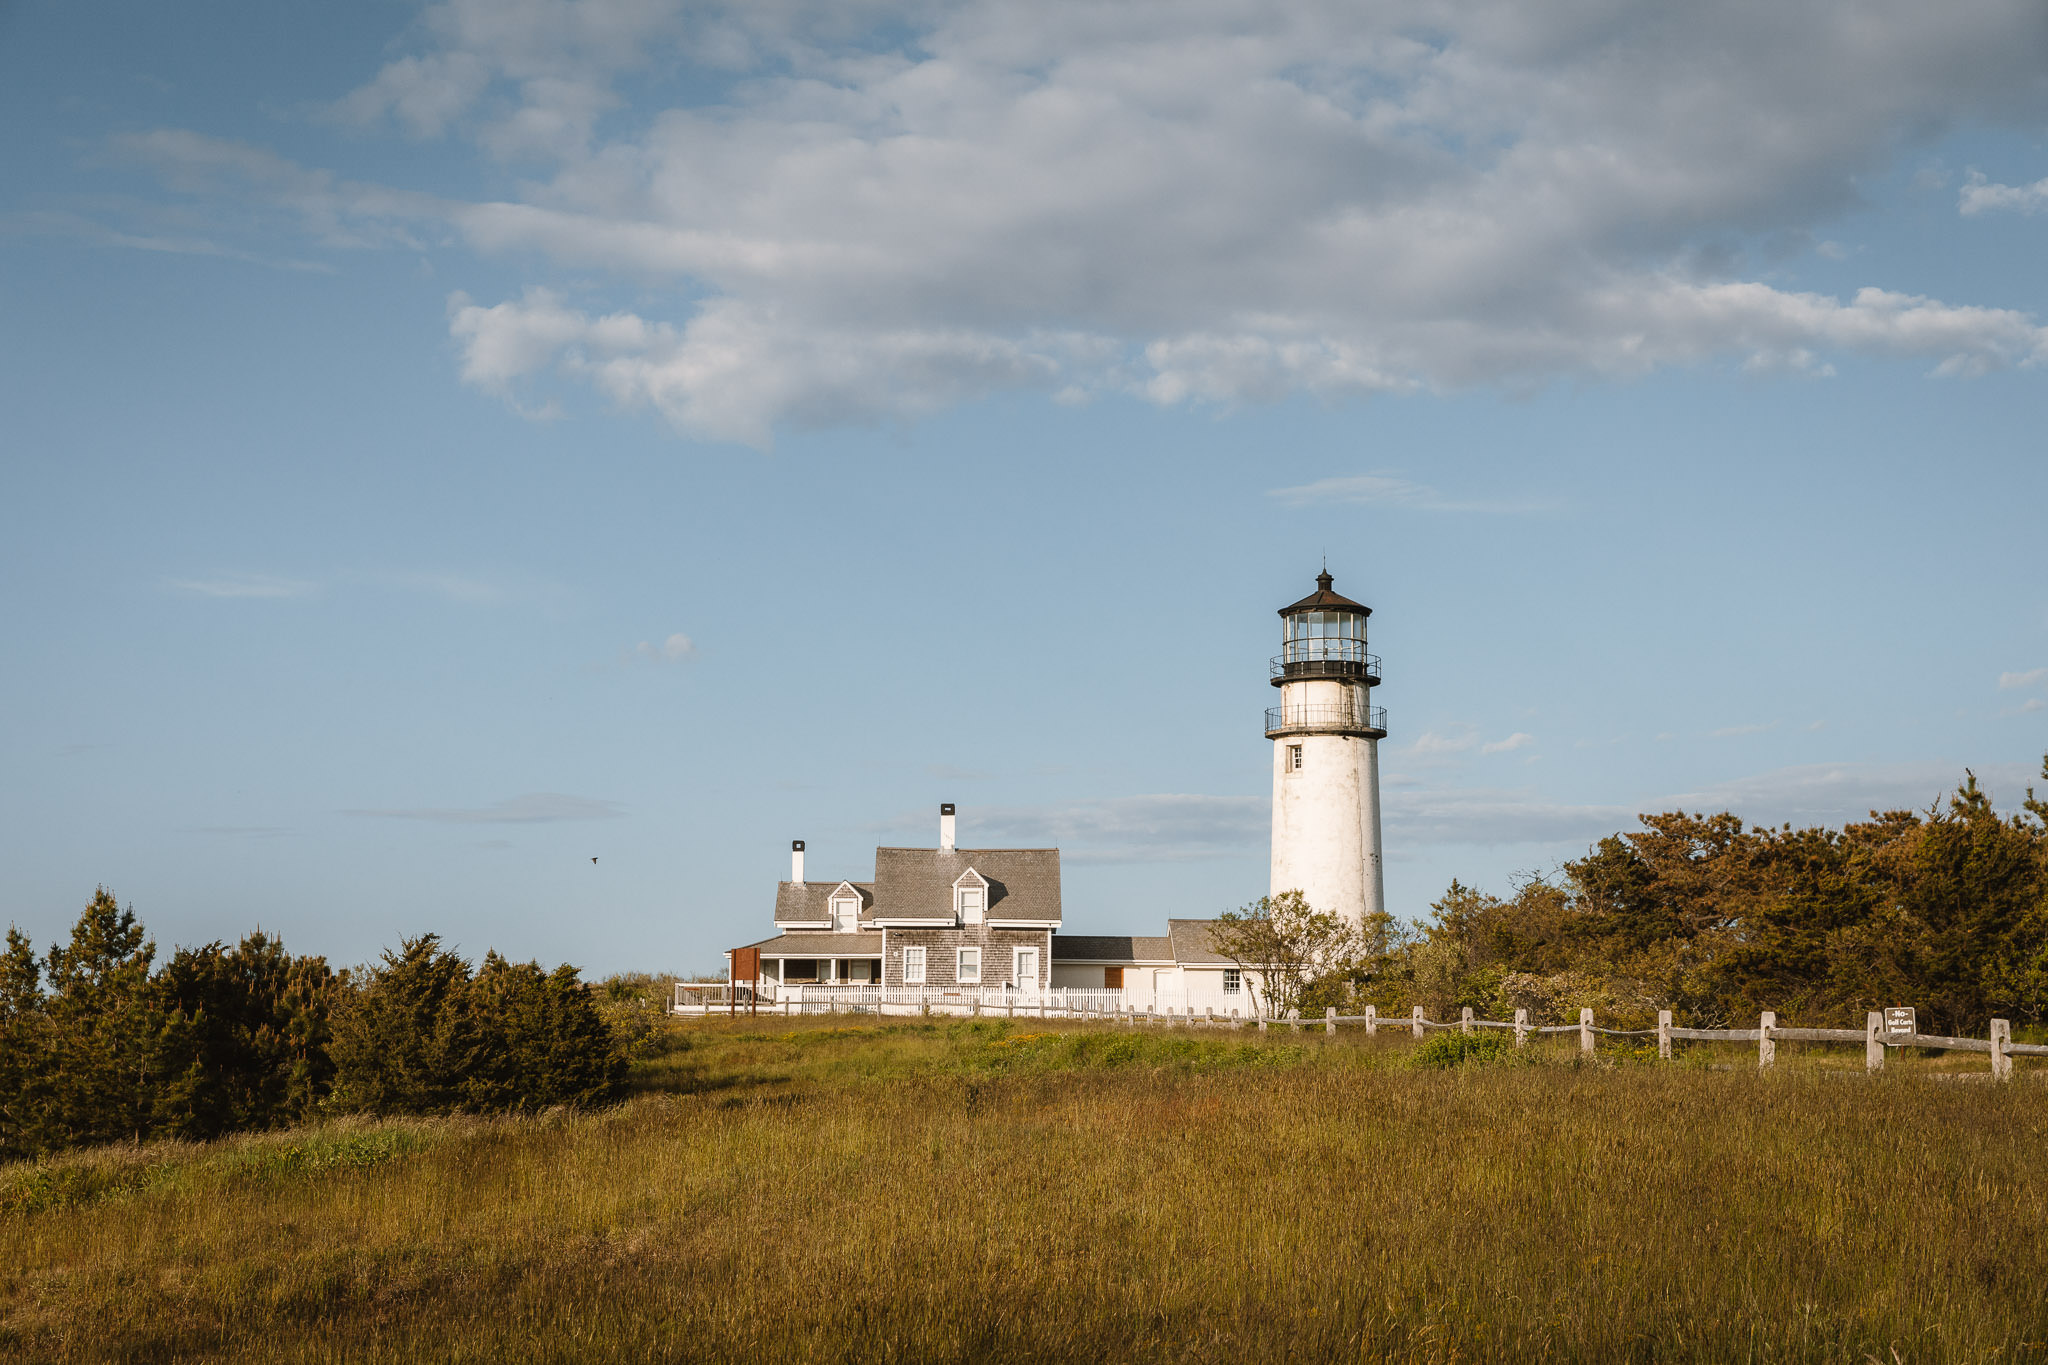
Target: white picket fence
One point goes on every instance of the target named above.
(1056, 1002)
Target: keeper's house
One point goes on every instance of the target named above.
(965, 925)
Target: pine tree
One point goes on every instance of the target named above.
(105, 1032)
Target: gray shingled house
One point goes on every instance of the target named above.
(948, 921)
(947, 917)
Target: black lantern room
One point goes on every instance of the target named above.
(1323, 636)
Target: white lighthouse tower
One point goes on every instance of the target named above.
(1326, 737)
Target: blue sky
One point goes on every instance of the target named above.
(443, 444)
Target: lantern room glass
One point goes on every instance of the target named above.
(1318, 636)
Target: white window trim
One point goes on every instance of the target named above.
(960, 956)
(960, 890)
(1233, 980)
(913, 975)
(1017, 966)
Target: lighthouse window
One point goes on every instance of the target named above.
(1294, 758)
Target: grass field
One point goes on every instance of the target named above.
(910, 1191)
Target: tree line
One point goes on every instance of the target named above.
(1945, 910)
(99, 1043)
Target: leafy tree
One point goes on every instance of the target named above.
(1282, 944)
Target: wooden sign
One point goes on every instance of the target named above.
(1900, 1019)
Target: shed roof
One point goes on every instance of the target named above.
(1110, 948)
(821, 944)
(1192, 942)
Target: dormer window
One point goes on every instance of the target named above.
(845, 916)
(970, 897)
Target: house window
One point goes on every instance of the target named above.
(1113, 978)
(1294, 758)
(968, 971)
(1233, 980)
(970, 905)
(846, 916)
(913, 966)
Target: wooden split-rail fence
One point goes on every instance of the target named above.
(1874, 1035)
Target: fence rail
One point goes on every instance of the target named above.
(1108, 1005)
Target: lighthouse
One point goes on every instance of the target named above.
(1326, 737)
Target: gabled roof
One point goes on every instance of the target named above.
(808, 902)
(1110, 948)
(917, 883)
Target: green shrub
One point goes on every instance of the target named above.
(1442, 1051)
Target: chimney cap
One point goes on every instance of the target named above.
(945, 808)
(796, 845)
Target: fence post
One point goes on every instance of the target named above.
(2001, 1060)
(1766, 1046)
(1294, 1018)
(1329, 1018)
(1415, 1020)
(1664, 1035)
(1586, 1031)
(1372, 1021)
(1873, 1041)
(1521, 1028)
(1465, 1020)
(1262, 1019)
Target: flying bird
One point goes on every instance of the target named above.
(593, 860)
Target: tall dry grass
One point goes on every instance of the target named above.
(903, 1192)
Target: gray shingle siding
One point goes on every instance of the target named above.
(998, 955)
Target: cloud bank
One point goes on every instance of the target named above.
(858, 212)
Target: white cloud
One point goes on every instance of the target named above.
(1431, 745)
(1517, 740)
(2033, 704)
(533, 809)
(671, 650)
(1979, 194)
(1391, 490)
(2030, 678)
(1130, 829)
(883, 210)
(256, 585)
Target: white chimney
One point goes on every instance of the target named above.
(946, 828)
(796, 861)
